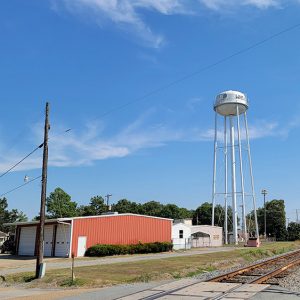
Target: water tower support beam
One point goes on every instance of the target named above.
(251, 175)
(242, 176)
(214, 172)
(226, 179)
(233, 182)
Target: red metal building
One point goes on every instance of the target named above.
(65, 236)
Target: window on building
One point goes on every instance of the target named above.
(181, 234)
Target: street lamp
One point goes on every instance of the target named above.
(265, 192)
(107, 201)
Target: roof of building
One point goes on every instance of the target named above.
(62, 220)
(196, 226)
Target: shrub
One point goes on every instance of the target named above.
(140, 248)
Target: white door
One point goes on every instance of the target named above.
(81, 248)
(27, 240)
(48, 237)
(62, 245)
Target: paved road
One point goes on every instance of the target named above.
(141, 290)
(12, 265)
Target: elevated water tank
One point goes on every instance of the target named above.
(226, 103)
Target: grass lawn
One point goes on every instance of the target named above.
(166, 268)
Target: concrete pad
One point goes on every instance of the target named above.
(175, 285)
(232, 298)
(208, 287)
(240, 295)
(198, 294)
(275, 292)
(174, 297)
(252, 287)
(140, 295)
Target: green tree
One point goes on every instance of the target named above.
(3, 212)
(95, 207)
(59, 205)
(275, 216)
(152, 208)
(126, 206)
(186, 213)
(203, 215)
(7, 216)
(293, 231)
(170, 211)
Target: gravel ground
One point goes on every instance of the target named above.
(208, 275)
(292, 281)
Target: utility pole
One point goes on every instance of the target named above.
(297, 219)
(265, 192)
(40, 242)
(107, 201)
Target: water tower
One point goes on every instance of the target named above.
(230, 107)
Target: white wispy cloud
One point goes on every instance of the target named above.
(129, 15)
(229, 4)
(91, 144)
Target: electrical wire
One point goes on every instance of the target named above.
(20, 186)
(166, 86)
(181, 79)
(203, 69)
(20, 161)
(32, 152)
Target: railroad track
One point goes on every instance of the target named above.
(263, 272)
(258, 273)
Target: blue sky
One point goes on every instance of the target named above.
(88, 57)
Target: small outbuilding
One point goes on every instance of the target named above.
(65, 236)
(186, 236)
(181, 236)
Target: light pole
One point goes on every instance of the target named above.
(265, 192)
(107, 201)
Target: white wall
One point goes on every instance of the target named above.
(215, 233)
(185, 241)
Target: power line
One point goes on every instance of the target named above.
(205, 68)
(29, 154)
(20, 186)
(20, 161)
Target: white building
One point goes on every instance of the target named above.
(181, 236)
(186, 236)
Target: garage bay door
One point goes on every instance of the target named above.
(27, 240)
(48, 237)
(62, 245)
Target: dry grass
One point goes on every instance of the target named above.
(159, 269)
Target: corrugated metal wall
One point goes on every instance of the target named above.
(120, 230)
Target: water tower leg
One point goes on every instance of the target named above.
(251, 175)
(214, 172)
(233, 181)
(226, 180)
(242, 177)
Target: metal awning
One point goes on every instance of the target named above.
(200, 234)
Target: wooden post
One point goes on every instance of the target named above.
(73, 275)
(40, 241)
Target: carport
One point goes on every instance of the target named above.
(200, 239)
